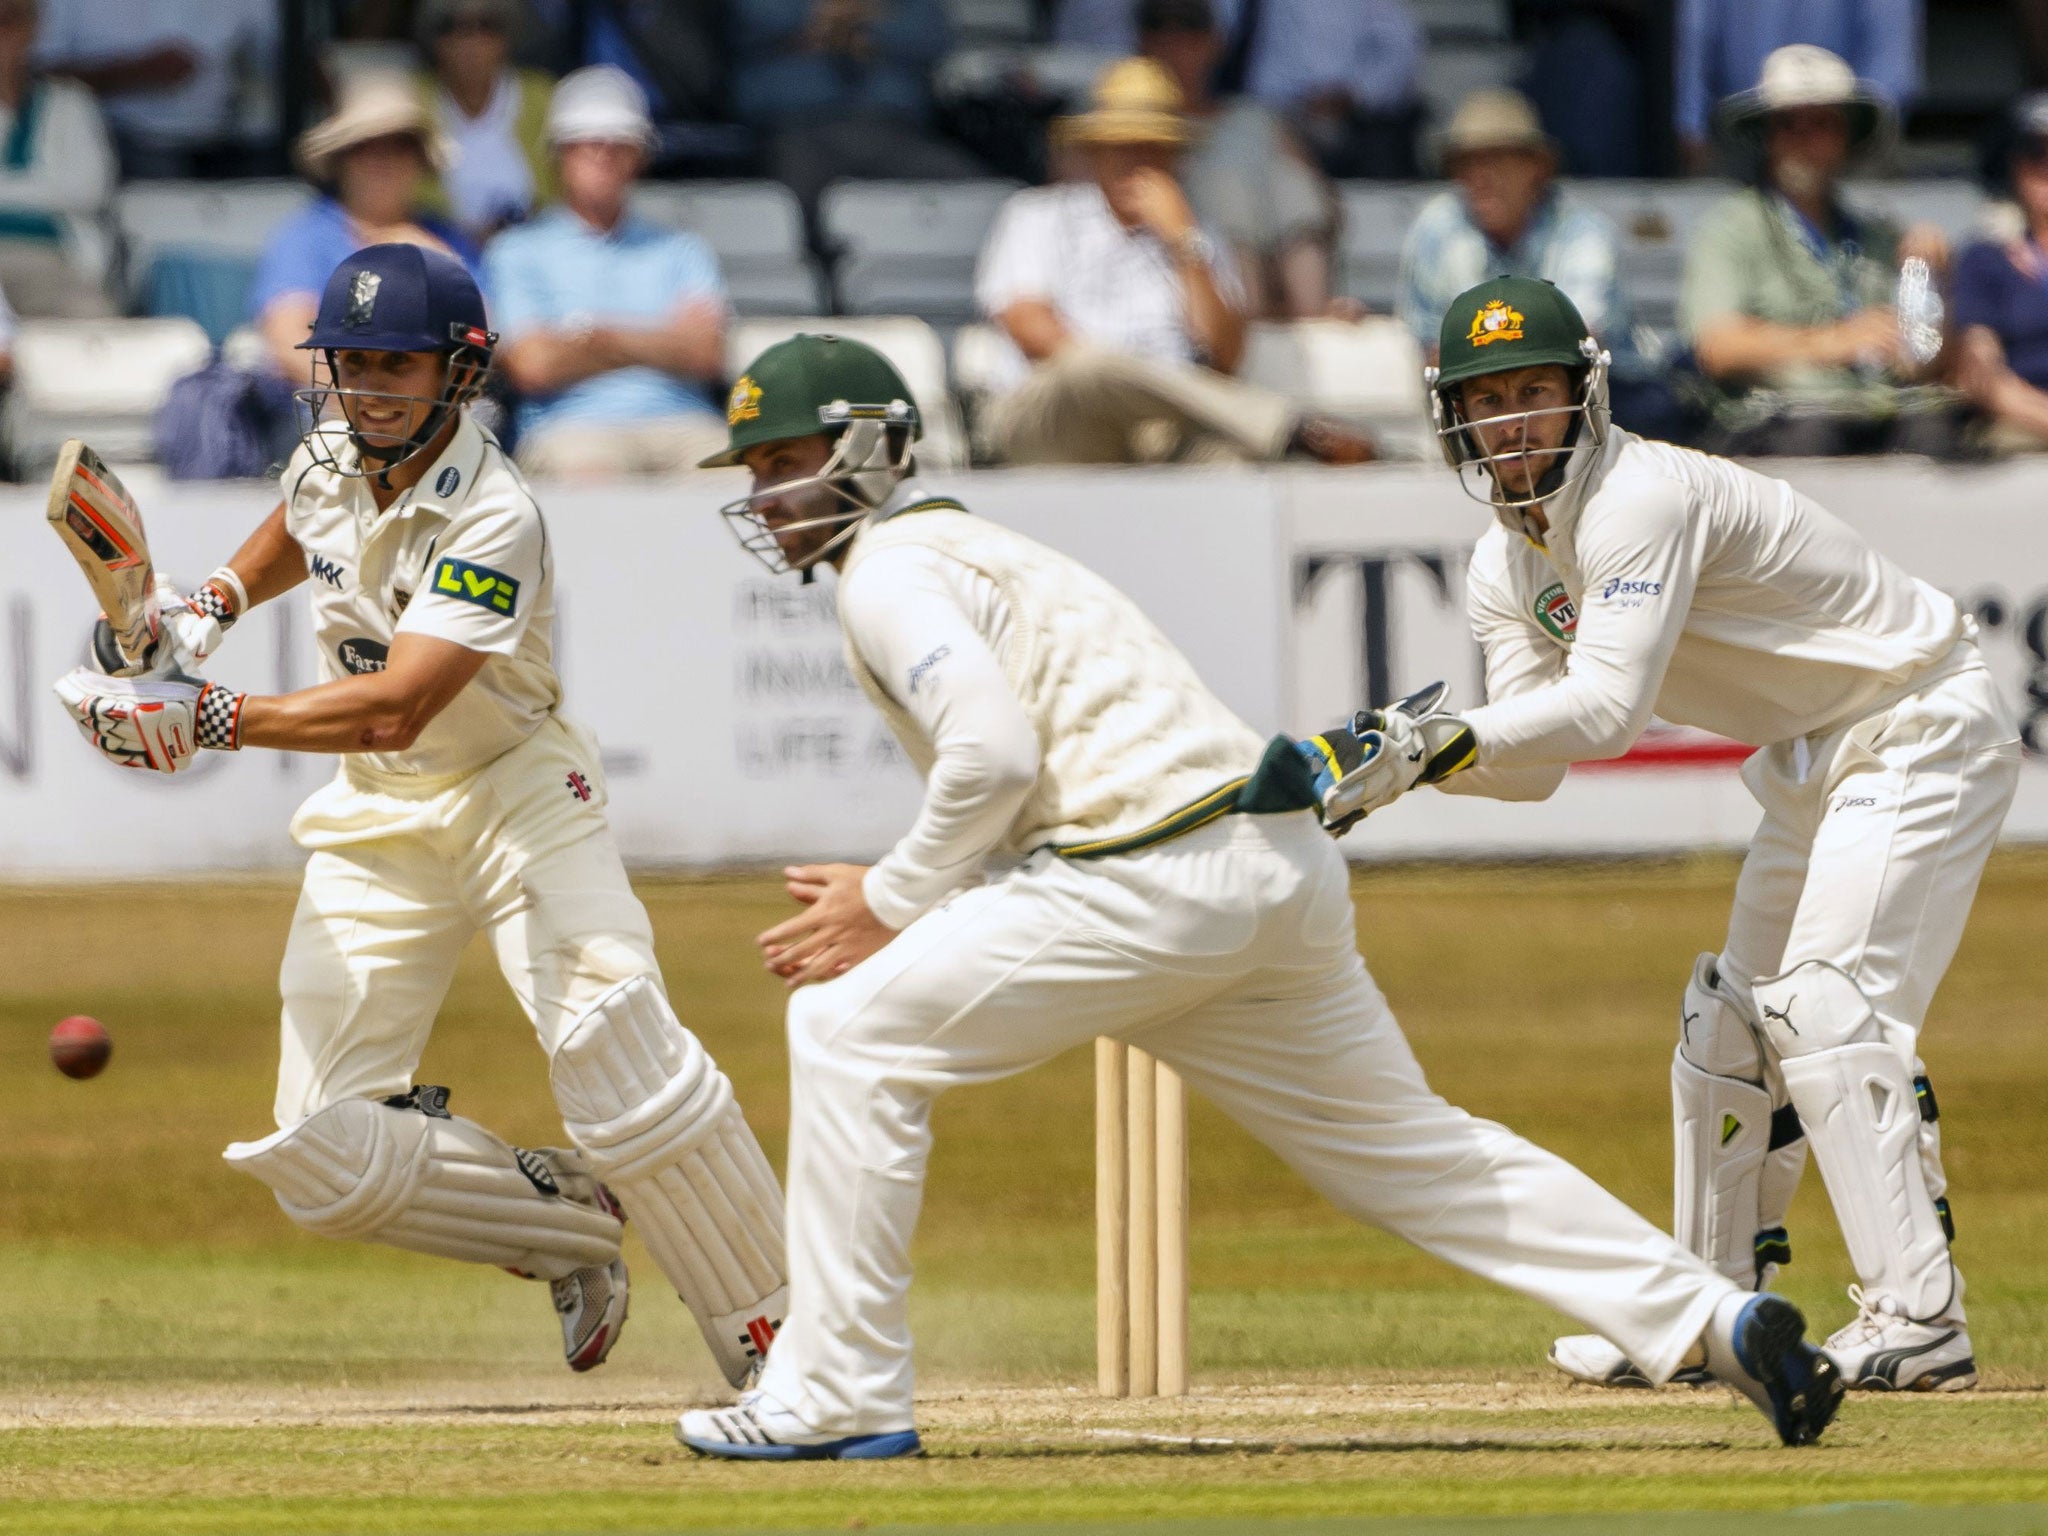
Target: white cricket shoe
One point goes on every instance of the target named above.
(754, 1429)
(1589, 1358)
(592, 1305)
(1881, 1353)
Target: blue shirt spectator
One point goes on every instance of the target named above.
(370, 160)
(799, 61)
(1506, 215)
(305, 249)
(2004, 288)
(559, 271)
(611, 327)
(1722, 45)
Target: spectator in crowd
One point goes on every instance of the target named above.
(1346, 73)
(1999, 308)
(613, 329)
(493, 116)
(370, 161)
(57, 161)
(1129, 317)
(1584, 64)
(1721, 46)
(1788, 294)
(1505, 215)
(675, 50)
(170, 74)
(1246, 174)
(1111, 26)
(840, 88)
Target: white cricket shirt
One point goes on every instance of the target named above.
(1682, 585)
(461, 556)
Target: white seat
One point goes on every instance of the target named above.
(221, 218)
(907, 342)
(754, 228)
(1952, 204)
(993, 21)
(983, 360)
(1377, 217)
(1368, 372)
(102, 380)
(909, 247)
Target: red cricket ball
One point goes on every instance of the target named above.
(80, 1046)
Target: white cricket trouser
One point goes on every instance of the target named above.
(1230, 953)
(399, 880)
(1872, 843)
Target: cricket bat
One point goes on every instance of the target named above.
(102, 527)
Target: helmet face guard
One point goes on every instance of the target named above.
(326, 400)
(1479, 470)
(872, 452)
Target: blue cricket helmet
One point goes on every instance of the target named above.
(400, 298)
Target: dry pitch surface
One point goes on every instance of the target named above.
(175, 1357)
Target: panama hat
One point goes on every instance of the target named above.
(1135, 101)
(1493, 120)
(375, 104)
(1803, 75)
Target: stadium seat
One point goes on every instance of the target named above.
(993, 21)
(909, 343)
(1954, 204)
(755, 228)
(1451, 71)
(1369, 372)
(1655, 219)
(1377, 216)
(192, 246)
(102, 380)
(909, 247)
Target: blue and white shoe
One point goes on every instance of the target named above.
(1757, 1344)
(753, 1430)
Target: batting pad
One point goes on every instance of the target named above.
(430, 1183)
(1858, 1102)
(644, 1100)
(1736, 1157)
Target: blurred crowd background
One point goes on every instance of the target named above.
(1089, 231)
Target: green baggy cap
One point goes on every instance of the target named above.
(808, 384)
(1509, 322)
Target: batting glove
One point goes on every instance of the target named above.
(192, 628)
(1381, 754)
(157, 723)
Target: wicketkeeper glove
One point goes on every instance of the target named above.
(156, 722)
(193, 627)
(1381, 754)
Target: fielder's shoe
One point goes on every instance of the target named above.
(1589, 1358)
(1881, 1353)
(755, 1430)
(592, 1305)
(1757, 1344)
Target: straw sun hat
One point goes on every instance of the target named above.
(1134, 101)
(1803, 75)
(372, 105)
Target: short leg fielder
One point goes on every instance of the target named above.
(1230, 954)
(380, 926)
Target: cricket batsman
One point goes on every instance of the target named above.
(1176, 889)
(464, 802)
(1626, 578)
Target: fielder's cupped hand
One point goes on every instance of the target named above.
(834, 932)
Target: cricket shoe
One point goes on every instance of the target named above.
(1881, 1353)
(592, 1305)
(1589, 1358)
(755, 1430)
(1757, 1345)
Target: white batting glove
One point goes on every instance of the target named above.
(192, 629)
(157, 723)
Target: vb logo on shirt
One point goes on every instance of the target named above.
(477, 584)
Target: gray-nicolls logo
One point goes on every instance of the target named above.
(362, 300)
(537, 1172)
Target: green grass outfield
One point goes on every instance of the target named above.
(176, 1357)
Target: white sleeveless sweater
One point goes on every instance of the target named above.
(1127, 732)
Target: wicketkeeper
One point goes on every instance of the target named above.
(464, 802)
(1176, 890)
(1626, 578)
